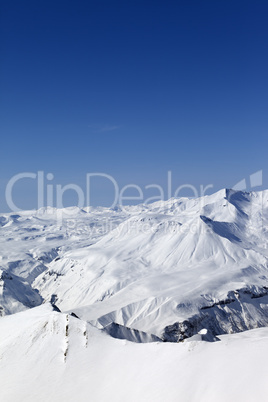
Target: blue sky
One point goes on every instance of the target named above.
(133, 89)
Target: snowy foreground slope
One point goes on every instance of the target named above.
(50, 356)
(127, 284)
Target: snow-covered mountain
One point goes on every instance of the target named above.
(166, 269)
(95, 300)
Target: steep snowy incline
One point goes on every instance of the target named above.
(49, 356)
(171, 267)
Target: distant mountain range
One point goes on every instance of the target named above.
(162, 271)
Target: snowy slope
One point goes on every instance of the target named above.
(49, 356)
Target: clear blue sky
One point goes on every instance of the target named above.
(133, 89)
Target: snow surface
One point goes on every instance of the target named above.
(41, 360)
(184, 269)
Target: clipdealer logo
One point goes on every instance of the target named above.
(49, 194)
